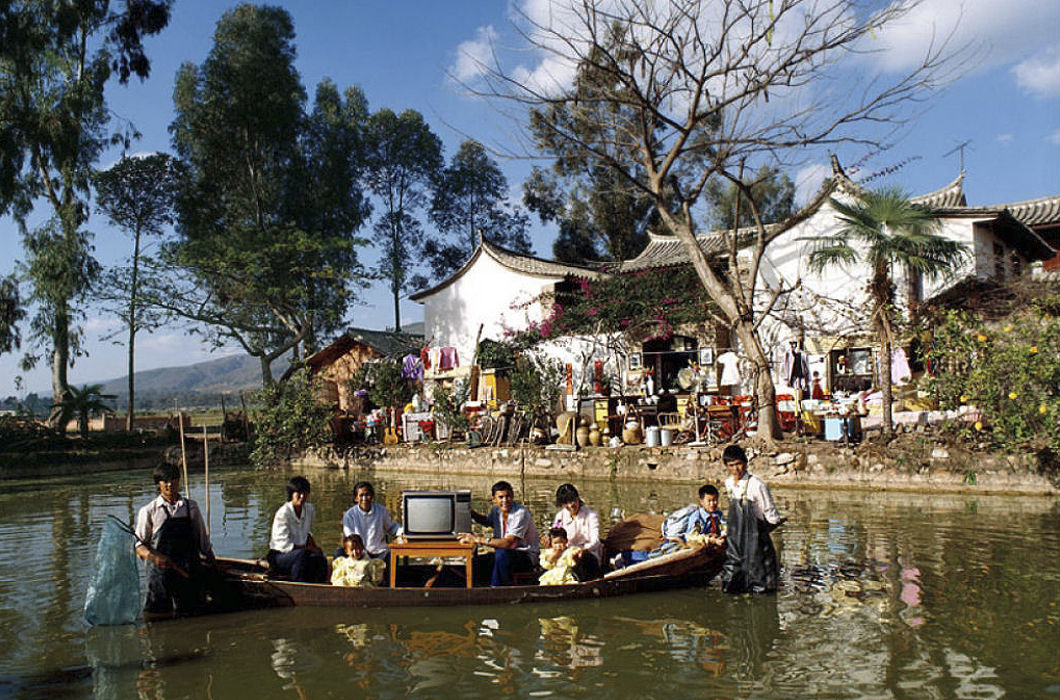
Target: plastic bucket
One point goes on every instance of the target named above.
(651, 436)
(666, 437)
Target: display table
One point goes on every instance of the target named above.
(431, 549)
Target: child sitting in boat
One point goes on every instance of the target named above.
(356, 568)
(559, 560)
(706, 524)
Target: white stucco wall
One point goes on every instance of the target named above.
(485, 294)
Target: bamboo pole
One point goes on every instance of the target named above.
(206, 466)
(183, 453)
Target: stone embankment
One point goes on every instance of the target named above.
(913, 465)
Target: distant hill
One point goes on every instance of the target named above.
(200, 384)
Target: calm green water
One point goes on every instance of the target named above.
(883, 596)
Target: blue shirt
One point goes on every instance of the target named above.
(703, 523)
(520, 524)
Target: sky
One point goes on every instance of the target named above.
(1004, 105)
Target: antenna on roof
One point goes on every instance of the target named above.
(959, 147)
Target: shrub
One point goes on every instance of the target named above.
(1009, 371)
(290, 420)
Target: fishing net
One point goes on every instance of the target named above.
(113, 596)
(750, 560)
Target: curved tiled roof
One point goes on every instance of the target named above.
(1036, 212)
(952, 195)
(519, 262)
(667, 251)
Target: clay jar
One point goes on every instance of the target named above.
(582, 435)
(595, 438)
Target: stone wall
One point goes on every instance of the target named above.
(902, 466)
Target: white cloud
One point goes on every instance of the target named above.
(1003, 31)
(1055, 137)
(1040, 75)
(1006, 138)
(808, 181)
(474, 57)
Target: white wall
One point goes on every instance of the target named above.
(485, 294)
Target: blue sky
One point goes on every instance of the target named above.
(403, 54)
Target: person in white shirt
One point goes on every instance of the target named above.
(751, 559)
(515, 543)
(582, 526)
(172, 538)
(371, 521)
(292, 549)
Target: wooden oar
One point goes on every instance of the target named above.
(206, 465)
(183, 454)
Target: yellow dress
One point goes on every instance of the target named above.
(361, 573)
(558, 571)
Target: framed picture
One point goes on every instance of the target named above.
(635, 360)
(706, 356)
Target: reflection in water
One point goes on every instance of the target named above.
(881, 595)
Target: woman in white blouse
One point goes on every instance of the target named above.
(583, 530)
(292, 550)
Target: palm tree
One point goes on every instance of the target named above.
(883, 229)
(82, 403)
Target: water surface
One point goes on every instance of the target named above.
(883, 596)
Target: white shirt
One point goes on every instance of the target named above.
(288, 529)
(519, 524)
(373, 527)
(730, 370)
(583, 530)
(753, 489)
(149, 520)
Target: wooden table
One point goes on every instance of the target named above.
(430, 548)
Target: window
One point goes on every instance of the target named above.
(1017, 264)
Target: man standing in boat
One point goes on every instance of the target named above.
(172, 539)
(750, 558)
(514, 542)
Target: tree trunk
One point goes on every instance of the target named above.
(129, 414)
(266, 371)
(397, 311)
(60, 362)
(885, 375)
(764, 389)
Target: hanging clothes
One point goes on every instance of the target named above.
(900, 371)
(796, 369)
(425, 357)
(730, 370)
(448, 358)
(412, 368)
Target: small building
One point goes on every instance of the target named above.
(340, 362)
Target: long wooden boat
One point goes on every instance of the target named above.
(682, 569)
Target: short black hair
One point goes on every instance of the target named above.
(165, 472)
(565, 494)
(734, 453)
(364, 485)
(707, 489)
(297, 484)
(502, 486)
(558, 532)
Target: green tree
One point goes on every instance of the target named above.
(56, 59)
(469, 201)
(290, 420)
(11, 313)
(266, 253)
(83, 403)
(137, 195)
(385, 383)
(772, 192)
(694, 87)
(883, 229)
(403, 158)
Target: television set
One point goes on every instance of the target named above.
(436, 514)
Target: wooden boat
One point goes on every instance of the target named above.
(681, 569)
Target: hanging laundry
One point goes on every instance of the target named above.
(900, 371)
(796, 369)
(448, 358)
(425, 357)
(730, 370)
(412, 368)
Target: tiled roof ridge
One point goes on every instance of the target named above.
(950, 195)
(532, 264)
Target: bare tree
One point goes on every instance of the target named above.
(713, 91)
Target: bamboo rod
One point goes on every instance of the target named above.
(183, 453)
(206, 466)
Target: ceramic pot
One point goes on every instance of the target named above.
(582, 434)
(633, 436)
(594, 436)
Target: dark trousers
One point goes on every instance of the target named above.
(507, 562)
(302, 565)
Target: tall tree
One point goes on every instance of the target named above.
(137, 195)
(55, 60)
(883, 229)
(772, 192)
(11, 313)
(702, 90)
(266, 254)
(469, 200)
(403, 158)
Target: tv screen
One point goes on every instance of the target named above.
(439, 514)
